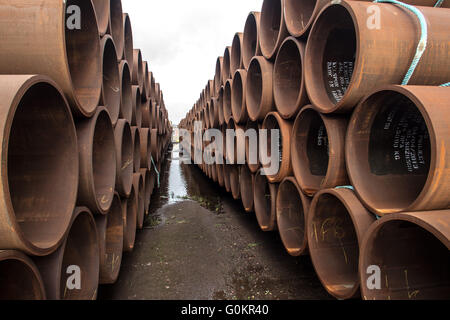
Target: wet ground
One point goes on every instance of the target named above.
(199, 243)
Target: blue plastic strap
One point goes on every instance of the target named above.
(445, 85)
(346, 187)
(157, 172)
(422, 46)
(438, 3)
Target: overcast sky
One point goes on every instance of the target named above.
(182, 39)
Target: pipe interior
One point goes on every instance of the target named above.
(271, 16)
(250, 40)
(288, 77)
(227, 101)
(414, 263)
(81, 250)
(271, 123)
(116, 23)
(335, 246)
(128, 34)
(236, 55)
(226, 65)
(111, 80)
(82, 49)
(102, 13)
(290, 217)
(126, 171)
(237, 96)
(254, 87)
(299, 13)
(395, 151)
(18, 281)
(263, 201)
(127, 96)
(104, 160)
(42, 176)
(114, 238)
(131, 218)
(246, 187)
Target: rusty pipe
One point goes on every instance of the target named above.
(227, 111)
(265, 201)
(128, 41)
(80, 248)
(220, 106)
(110, 237)
(220, 177)
(19, 278)
(116, 26)
(247, 182)
(97, 156)
(129, 218)
(155, 145)
(226, 177)
(124, 157)
(272, 27)
(136, 139)
(146, 176)
(145, 93)
(147, 113)
(289, 89)
(233, 172)
(345, 60)
(398, 149)
(236, 53)
(238, 96)
(226, 70)
(126, 96)
(213, 113)
(218, 80)
(138, 72)
(411, 251)
(318, 150)
(235, 152)
(259, 95)
(136, 118)
(102, 10)
(146, 146)
(274, 121)
(250, 41)
(39, 164)
(337, 224)
(35, 40)
(250, 157)
(292, 213)
(139, 188)
(111, 87)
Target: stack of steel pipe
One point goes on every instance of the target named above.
(77, 169)
(360, 103)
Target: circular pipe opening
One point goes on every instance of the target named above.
(292, 208)
(126, 104)
(136, 136)
(102, 13)
(334, 246)
(110, 230)
(129, 215)
(388, 152)
(40, 164)
(264, 195)
(226, 71)
(81, 46)
(236, 53)
(128, 40)
(227, 111)
(19, 278)
(111, 96)
(299, 15)
(238, 106)
(414, 262)
(138, 73)
(288, 85)
(124, 151)
(146, 91)
(218, 75)
(330, 58)
(136, 119)
(146, 146)
(116, 26)
(250, 41)
(81, 249)
(271, 24)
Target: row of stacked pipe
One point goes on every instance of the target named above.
(84, 133)
(364, 179)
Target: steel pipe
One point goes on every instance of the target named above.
(272, 27)
(80, 248)
(220, 106)
(97, 156)
(147, 113)
(292, 209)
(234, 173)
(220, 177)
(226, 71)
(139, 188)
(398, 149)
(136, 139)
(146, 147)
(35, 40)
(19, 278)
(116, 26)
(213, 113)
(138, 72)
(102, 10)
(345, 60)
(318, 150)
(227, 110)
(126, 96)
(247, 182)
(226, 177)
(110, 236)
(39, 165)
(252, 159)
(259, 95)
(124, 157)
(111, 95)
(274, 121)
(146, 176)
(129, 218)
(136, 119)
(218, 81)
(128, 42)
(337, 223)
(411, 251)
(289, 89)
(265, 202)
(238, 96)
(250, 41)
(236, 53)
(145, 93)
